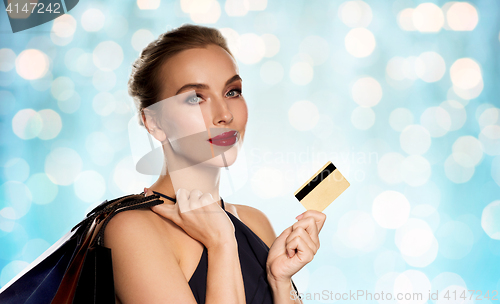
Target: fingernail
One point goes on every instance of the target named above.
(299, 216)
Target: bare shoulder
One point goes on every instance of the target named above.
(145, 268)
(257, 221)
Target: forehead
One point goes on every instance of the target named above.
(211, 65)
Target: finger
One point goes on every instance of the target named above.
(309, 224)
(182, 194)
(319, 217)
(302, 233)
(280, 241)
(207, 199)
(194, 195)
(304, 252)
(168, 211)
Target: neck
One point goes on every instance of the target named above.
(189, 177)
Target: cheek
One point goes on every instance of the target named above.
(184, 125)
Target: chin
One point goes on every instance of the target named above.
(218, 161)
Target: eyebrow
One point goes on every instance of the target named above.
(204, 86)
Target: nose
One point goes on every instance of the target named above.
(220, 112)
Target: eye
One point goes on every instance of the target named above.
(196, 99)
(235, 90)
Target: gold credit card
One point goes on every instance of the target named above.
(322, 188)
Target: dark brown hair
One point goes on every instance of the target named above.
(143, 84)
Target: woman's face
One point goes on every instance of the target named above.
(204, 100)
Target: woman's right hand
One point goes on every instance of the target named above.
(199, 215)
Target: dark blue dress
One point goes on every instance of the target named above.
(253, 256)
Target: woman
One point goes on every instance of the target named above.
(195, 247)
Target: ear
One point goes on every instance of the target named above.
(152, 126)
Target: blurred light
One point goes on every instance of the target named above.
(428, 18)
(70, 105)
(256, 5)
(316, 47)
(44, 191)
(415, 170)
(63, 29)
(430, 66)
(34, 248)
(104, 103)
(11, 270)
(92, 20)
(100, 149)
(272, 44)
(428, 193)
(32, 64)
(455, 240)
(204, 11)
(362, 118)
(366, 92)
(355, 13)
(388, 261)
(405, 19)
(415, 139)
(89, 186)
(400, 118)
(251, 48)
(436, 120)
(104, 80)
(62, 88)
(301, 73)
(16, 169)
(490, 139)
(85, 65)
(108, 56)
(51, 124)
(126, 177)
(457, 113)
(360, 42)
(490, 220)
(389, 168)
(427, 213)
(7, 59)
(412, 282)
(495, 170)
(446, 279)
(116, 26)
(357, 229)
(462, 16)
(15, 199)
(324, 128)
(465, 73)
(233, 39)
(42, 84)
(141, 38)
(489, 117)
(27, 124)
(390, 209)
(467, 151)
(303, 115)
(469, 94)
(416, 242)
(456, 172)
(271, 72)
(62, 166)
(236, 7)
(148, 4)
(268, 182)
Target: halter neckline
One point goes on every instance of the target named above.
(174, 200)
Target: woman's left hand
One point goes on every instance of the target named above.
(295, 246)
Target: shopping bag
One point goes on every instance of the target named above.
(78, 268)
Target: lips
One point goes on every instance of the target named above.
(224, 139)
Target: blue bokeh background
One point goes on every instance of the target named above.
(402, 96)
